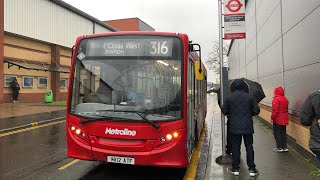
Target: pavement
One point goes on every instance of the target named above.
(271, 165)
(14, 116)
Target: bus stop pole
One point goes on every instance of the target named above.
(223, 159)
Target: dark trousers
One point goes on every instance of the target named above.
(280, 134)
(236, 150)
(229, 143)
(318, 158)
(15, 95)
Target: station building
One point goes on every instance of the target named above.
(36, 40)
(281, 49)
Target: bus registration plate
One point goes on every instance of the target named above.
(120, 160)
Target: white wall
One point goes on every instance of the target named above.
(282, 48)
(46, 21)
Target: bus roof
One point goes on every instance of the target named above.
(132, 33)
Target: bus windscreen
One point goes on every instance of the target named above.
(116, 75)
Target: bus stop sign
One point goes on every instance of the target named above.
(234, 5)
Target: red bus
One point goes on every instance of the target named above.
(133, 98)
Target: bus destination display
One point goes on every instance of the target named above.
(129, 47)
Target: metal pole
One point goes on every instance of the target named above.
(223, 159)
(221, 78)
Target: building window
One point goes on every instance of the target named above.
(63, 83)
(8, 79)
(42, 82)
(27, 82)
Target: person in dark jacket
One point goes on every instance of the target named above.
(280, 119)
(15, 90)
(310, 116)
(239, 106)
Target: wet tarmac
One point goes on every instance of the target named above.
(29, 152)
(125, 172)
(40, 152)
(11, 122)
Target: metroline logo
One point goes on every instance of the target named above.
(121, 132)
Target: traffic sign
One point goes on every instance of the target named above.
(234, 19)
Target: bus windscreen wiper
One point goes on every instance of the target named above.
(138, 113)
(101, 118)
(156, 126)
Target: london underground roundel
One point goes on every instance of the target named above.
(234, 5)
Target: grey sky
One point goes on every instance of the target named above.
(198, 19)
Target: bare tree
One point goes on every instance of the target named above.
(213, 59)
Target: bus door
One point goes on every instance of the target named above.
(191, 106)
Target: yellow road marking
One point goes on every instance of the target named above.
(192, 167)
(30, 128)
(67, 165)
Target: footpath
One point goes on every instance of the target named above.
(271, 165)
(14, 116)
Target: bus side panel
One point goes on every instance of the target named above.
(71, 75)
(185, 75)
(201, 111)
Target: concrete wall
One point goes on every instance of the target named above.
(281, 49)
(144, 26)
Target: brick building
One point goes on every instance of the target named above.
(130, 24)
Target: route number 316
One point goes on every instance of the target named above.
(159, 48)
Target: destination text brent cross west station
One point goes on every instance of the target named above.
(134, 98)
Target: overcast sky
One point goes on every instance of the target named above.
(198, 19)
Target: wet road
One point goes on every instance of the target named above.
(121, 172)
(40, 152)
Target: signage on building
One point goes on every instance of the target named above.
(234, 19)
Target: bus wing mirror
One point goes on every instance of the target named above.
(198, 70)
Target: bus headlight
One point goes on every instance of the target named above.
(78, 133)
(170, 136)
(168, 139)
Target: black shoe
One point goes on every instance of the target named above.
(253, 173)
(234, 172)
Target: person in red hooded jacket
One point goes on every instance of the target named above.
(280, 118)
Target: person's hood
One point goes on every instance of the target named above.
(278, 91)
(239, 84)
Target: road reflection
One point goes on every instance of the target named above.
(125, 172)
